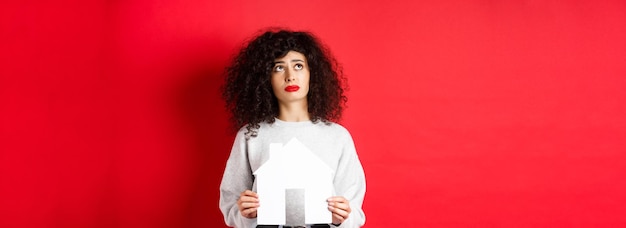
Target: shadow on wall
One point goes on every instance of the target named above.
(209, 138)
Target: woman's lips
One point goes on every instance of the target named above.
(292, 88)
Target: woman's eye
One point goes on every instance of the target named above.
(279, 68)
(299, 67)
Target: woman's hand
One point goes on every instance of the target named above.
(248, 203)
(340, 207)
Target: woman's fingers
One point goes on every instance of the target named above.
(339, 207)
(249, 193)
(249, 213)
(340, 210)
(247, 199)
(248, 203)
(248, 196)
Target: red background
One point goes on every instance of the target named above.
(464, 113)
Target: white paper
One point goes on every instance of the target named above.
(293, 166)
(271, 203)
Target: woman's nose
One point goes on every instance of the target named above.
(289, 76)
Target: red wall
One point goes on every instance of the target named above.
(464, 113)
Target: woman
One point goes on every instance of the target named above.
(283, 85)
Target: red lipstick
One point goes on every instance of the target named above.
(292, 88)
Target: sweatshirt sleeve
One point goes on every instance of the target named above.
(350, 183)
(237, 178)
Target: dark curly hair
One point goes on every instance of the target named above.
(248, 91)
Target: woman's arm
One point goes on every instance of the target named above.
(237, 178)
(350, 184)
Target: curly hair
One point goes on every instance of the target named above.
(248, 90)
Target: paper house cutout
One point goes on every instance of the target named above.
(293, 167)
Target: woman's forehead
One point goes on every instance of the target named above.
(291, 56)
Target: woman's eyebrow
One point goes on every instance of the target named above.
(293, 60)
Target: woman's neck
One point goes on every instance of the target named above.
(294, 112)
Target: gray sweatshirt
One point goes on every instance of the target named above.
(331, 143)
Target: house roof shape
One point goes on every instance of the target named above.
(295, 161)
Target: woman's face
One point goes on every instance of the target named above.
(290, 78)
